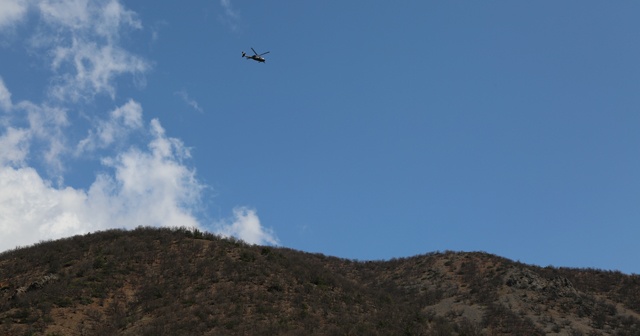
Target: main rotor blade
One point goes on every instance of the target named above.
(254, 51)
(264, 53)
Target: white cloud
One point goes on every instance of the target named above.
(14, 147)
(46, 127)
(113, 17)
(81, 37)
(5, 97)
(121, 122)
(94, 68)
(246, 226)
(32, 210)
(145, 183)
(42, 124)
(102, 17)
(149, 187)
(70, 13)
(12, 11)
(130, 115)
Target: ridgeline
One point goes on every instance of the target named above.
(152, 281)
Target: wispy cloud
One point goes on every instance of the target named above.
(191, 102)
(106, 18)
(122, 121)
(94, 68)
(82, 38)
(155, 29)
(145, 177)
(230, 16)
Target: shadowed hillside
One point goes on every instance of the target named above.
(185, 282)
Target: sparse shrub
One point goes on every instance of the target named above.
(169, 281)
(247, 256)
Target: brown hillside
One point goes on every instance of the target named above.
(185, 282)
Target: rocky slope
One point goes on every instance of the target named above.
(186, 282)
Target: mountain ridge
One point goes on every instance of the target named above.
(180, 281)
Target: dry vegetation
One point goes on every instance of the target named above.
(185, 282)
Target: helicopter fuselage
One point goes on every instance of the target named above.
(255, 56)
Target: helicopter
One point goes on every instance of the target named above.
(255, 56)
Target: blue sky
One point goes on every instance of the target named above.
(374, 130)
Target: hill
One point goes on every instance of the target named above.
(179, 281)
